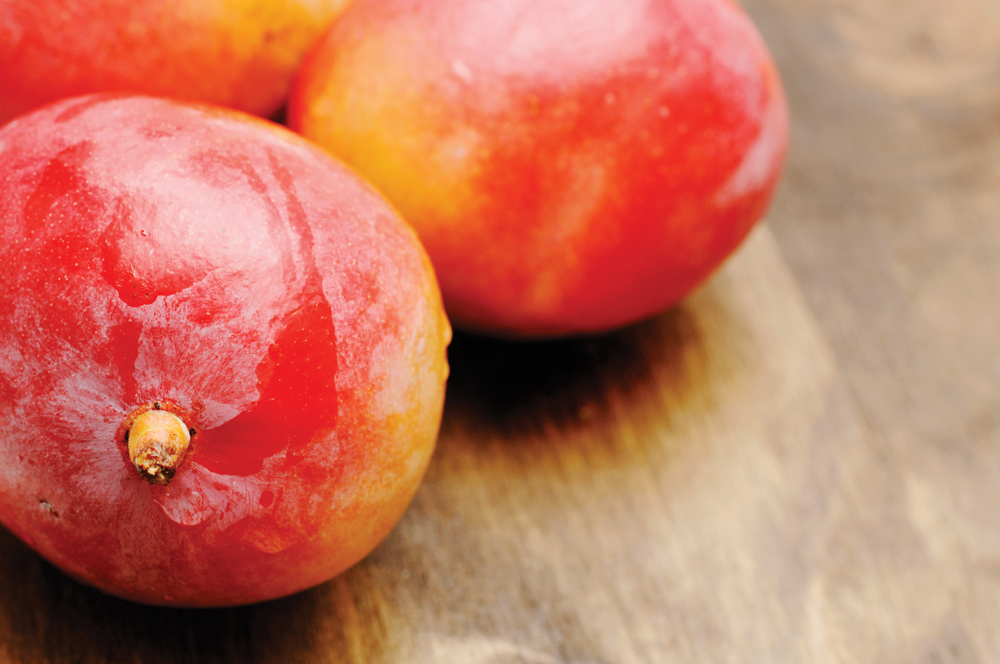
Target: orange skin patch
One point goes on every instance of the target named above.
(570, 165)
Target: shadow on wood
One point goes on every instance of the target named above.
(515, 388)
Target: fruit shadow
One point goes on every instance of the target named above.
(516, 391)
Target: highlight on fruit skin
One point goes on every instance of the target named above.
(571, 166)
(211, 298)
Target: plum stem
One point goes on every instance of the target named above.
(157, 443)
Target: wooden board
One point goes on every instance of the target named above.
(797, 465)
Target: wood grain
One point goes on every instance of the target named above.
(796, 465)
(890, 222)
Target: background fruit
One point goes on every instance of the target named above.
(570, 165)
(238, 53)
(200, 261)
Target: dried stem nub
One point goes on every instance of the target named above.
(157, 442)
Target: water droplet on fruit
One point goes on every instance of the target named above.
(461, 71)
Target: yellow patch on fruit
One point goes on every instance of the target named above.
(368, 108)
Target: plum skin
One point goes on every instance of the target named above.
(571, 166)
(157, 251)
(237, 53)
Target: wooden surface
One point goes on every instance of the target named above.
(800, 464)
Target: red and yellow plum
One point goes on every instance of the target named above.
(222, 354)
(570, 165)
